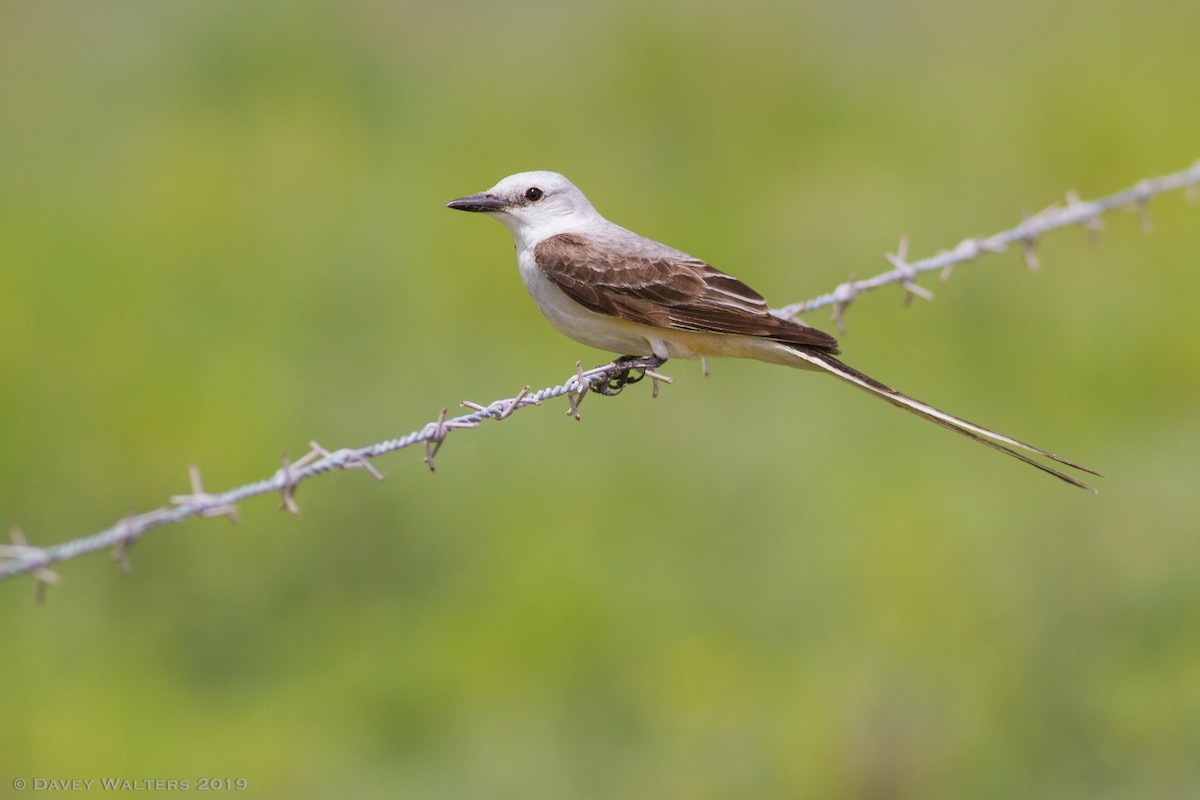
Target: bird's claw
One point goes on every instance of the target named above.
(629, 369)
(611, 387)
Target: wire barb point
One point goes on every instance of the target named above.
(1028, 236)
(515, 403)
(655, 379)
(575, 397)
(37, 558)
(121, 550)
(908, 275)
(347, 458)
(435, 434)
(287, 483)
(207, 505)
(843, 296)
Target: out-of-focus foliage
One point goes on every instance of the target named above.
(222, 235)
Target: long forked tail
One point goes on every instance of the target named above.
(998, 441)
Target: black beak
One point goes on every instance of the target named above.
(477, 202)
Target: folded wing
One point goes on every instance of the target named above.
(666, 289)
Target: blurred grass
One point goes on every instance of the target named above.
(222, 235)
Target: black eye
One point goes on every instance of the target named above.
(533, 194)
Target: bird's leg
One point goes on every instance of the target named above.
(631, 369)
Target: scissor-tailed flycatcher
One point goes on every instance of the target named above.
(610, 288)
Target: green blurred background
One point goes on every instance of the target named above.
(222, 234)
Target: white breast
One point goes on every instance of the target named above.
(577, 322)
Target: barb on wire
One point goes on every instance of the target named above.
(36, 558)
(20, 558)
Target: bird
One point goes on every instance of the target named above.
(610, 288)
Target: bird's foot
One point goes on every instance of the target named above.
(630, 369)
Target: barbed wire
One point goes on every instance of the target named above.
(1075, 212)
(20, 558)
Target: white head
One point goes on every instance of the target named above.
(533, 205)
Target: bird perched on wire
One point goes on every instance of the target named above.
(610, 288)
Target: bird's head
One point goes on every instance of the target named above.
(533, 205)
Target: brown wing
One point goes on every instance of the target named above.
(665, 289)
